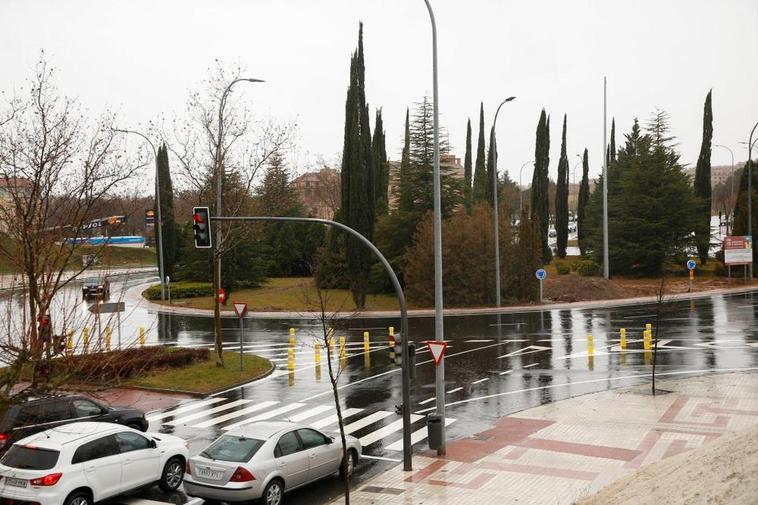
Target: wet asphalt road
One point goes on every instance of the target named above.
(494, 366)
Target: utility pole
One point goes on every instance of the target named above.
(606, 269)
(439, 333)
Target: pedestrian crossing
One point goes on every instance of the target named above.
(225, 414)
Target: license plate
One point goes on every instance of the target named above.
(10, 481)
(210, 474)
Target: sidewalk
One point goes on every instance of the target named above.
(560, 452)
(134, 294)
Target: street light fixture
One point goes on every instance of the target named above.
(496, 225)
(158, 205)
(219, 171)
(520, 188)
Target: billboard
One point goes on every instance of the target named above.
(738, 250)
(149, 218)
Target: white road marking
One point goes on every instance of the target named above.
(530, 365)
(526, 350)
(480, 381)
(479, 341)
(592, 381)
(365, 421)
(235, 414)
(454, 390)
(379, 434)
(506, 372)
(380, 458)
(310, 413)
(206, 413)
(321, 423)
(416, 437)
(185, 408)
(428, 400)
(266, 415)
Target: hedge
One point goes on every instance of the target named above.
(112, 366)
(181, 290)
(588, 268)
(562, 268)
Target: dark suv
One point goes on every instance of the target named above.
(92, 287)
(41, 414)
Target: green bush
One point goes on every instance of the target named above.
(562, 268)
(588, 268)
(181, 290)
(574, 266)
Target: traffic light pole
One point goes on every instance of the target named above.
(406, 380)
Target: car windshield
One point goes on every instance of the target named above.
(91, 280)
(30, 458)
(237, 449)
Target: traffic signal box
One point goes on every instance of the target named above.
(201, 226)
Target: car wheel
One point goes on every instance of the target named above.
(78, 498)
(346, 471)
(172, 476)
(274, 493)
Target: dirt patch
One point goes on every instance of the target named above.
(719, 473)
(576, 288)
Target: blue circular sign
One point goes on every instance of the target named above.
(691, 264)
(540, 274)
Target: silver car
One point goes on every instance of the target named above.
(266, 459)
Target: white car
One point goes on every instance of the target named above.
(83, 463)
(265, 459)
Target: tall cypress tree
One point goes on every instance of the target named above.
(581, 208)
(480, 172)
(467, 195)
(613, 142)
(405, 185)
(381, 165)
(357, 177)
(169, 229)
(702, 184)
(540, 205)
(561, 198)
(491, 171)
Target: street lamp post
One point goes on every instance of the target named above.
(750, 190)
(219, 172)
(496, 225)
(732, 193)
(439, 334)
(520, 187)
(158, 205)
(606, 266)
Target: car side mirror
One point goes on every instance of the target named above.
(151, 443)
(329, 440)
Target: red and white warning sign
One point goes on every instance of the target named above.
(437, 349)
(240, 308)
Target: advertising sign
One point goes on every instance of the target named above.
(738, 250)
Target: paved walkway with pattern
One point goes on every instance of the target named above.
(562, 451)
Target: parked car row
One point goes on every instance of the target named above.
(71, 450)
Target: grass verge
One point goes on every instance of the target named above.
(295, 294)
(205, 377)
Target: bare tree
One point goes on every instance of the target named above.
(56, 166)
(218, 138)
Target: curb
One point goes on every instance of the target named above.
(588, 304)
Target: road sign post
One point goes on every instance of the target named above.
(540, 274)
(691, 264)
(241, 309)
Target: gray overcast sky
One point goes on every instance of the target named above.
(141, 57)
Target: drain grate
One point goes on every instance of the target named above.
(382, 490)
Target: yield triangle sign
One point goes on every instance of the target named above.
(240, 308)
(437, 349)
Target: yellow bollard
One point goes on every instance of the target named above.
(85, 338)
(291, 378)
(317, 352)
(646, 340)
(623, 339)
(590, 345)
(367, 361)
(108, 338)
(343, 351)
(292, 337)
(649, 327)
(291, 359)
(366, 341)
(70, 342)
(392, 336)
(142, 336)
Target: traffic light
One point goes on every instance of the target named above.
(201, 226)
